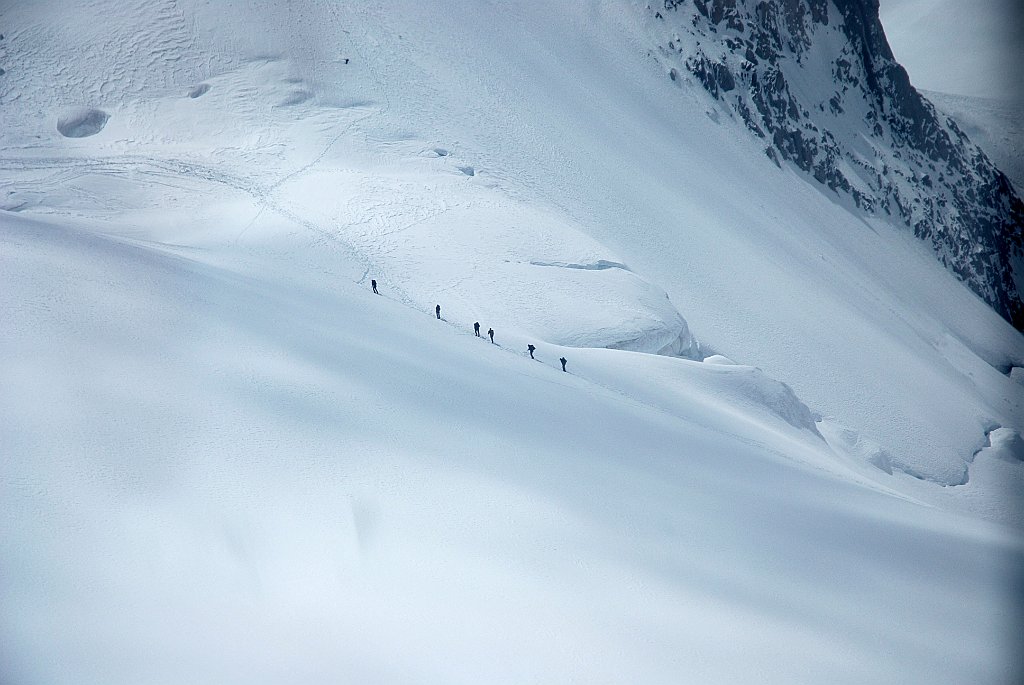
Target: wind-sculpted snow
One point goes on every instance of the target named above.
(599, 265)
(487, 256)
(848, 441)
(733, 389)
(82, 123)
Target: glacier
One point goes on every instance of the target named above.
(786, 447)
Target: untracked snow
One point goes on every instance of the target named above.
(786, 447)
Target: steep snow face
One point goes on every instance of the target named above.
(817, 82)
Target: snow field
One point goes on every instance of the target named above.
(223, 454)
(375, 494)
(359, 179)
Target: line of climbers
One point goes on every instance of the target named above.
(476, 327)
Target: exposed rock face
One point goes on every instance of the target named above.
(817, 81)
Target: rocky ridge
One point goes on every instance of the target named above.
(817, 81)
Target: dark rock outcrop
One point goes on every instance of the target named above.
(817, 80)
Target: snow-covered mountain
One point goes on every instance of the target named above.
(786, 446)
(817, 81)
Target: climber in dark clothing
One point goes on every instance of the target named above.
(490, 332)
(476, 329)
(530, 349)
(437, 310)
(373, 284)
(563, 360)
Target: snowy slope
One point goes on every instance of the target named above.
(215, 477)
(221, 452)
(571, 135)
